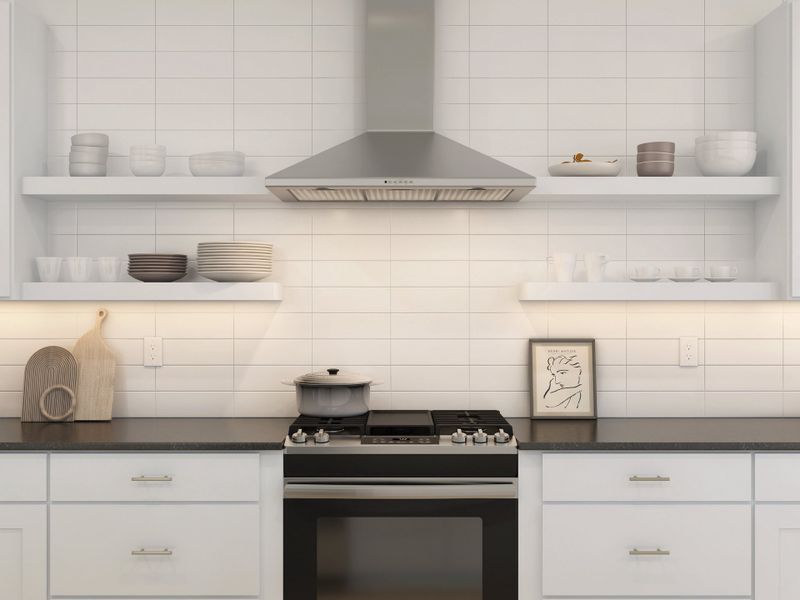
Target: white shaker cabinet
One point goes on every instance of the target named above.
(777, 552)
(23, 552)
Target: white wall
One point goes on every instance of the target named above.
(422, 298)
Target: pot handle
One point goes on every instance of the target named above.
(288, 382)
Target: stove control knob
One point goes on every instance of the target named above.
(322, 437)
(459, 437)
(480, 437)
(299, 437)
(501, 437)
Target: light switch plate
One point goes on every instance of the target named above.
(153, 352)
(689, 349)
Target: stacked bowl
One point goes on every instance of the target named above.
(88, 155)
(234, 261)
(148, 160)
(655, 159)
(726, 153)
(157, 268)
(217, 164)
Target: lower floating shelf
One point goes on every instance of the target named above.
(658, 291)
(154, 292)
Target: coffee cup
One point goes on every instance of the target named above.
(683, 272)
(595, 266)
(724, 271)
(79, 268)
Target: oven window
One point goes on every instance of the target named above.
(372, 558)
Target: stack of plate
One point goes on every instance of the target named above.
(234, 261)
(217, 164)
(88, 155)
(157, 267)
(655, 159)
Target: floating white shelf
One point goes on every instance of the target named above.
(661, 290)
(247, 189)
(154, 292)
(677, 188)
(237, 189)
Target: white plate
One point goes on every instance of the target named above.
(684, 279)
(720, 279)
(645, 279)
(229, 245)
(586, 169)
(237, 277)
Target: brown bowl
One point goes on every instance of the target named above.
(657, 147)
(655, 169)
(655, 157)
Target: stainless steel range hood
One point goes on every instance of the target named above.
(399, 157)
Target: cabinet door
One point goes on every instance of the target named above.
(777, 552)
(23, 552)
(5, 149)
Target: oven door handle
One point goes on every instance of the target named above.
(401, 490)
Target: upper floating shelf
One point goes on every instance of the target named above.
(237, 189)
(134, 291)
(248, 189)
(658, 291)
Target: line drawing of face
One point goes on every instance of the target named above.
(566, 371)
(565, 389)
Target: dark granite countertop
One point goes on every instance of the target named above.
(202, 435)
(659, 434)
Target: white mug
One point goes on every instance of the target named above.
(724, 271)
(595, 266)
(49, 268)
(683, 272)
(79, 268)
(564, 264)
(646, 272)
(108, 268)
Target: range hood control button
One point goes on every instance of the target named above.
(459, 437)
(299, 437)
(322, 437)
(480, 437)
(501, 437)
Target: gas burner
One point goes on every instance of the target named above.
(332, 425)
(448, 422)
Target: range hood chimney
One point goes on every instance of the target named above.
(399, 157)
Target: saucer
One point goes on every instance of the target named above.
(684, 279)
(720, 279)
(645, 279)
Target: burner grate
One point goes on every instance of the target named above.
(469, 421)
(333, 425)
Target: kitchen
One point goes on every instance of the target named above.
(680, 480)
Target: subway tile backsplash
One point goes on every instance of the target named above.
(423, 299)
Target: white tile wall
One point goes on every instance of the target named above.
(422, 299)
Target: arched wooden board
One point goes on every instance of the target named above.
(96, 367)
(50, 366)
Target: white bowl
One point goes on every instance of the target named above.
(726, 164)
(100, 151)
(90, 139)
(747, 136)
(147, 168)
(226, 156)
(727, 144)
(49, 268)
(149, 149)
(87, 170)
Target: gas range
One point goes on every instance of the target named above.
(402, 431)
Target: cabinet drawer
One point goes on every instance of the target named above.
(154, 477)
(778, 477)
(23, 478)
(592, 550)
(658, 477)
(198, 550)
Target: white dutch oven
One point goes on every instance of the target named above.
(332, 393)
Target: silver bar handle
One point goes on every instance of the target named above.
(641, 478)
(152, 478)
(656, 552)
(151, 552)
(356, 491)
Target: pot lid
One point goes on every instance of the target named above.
(333, 377)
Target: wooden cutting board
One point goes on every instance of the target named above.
(49, 367)
(96, 367)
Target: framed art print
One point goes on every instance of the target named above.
(563, 379)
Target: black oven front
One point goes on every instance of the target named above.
(401, 535)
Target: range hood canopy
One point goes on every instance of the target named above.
(400, 158)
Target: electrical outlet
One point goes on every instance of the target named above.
(688, 352)
(153, 352)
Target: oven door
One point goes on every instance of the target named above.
(393, 539)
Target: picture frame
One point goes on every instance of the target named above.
(563, 379)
